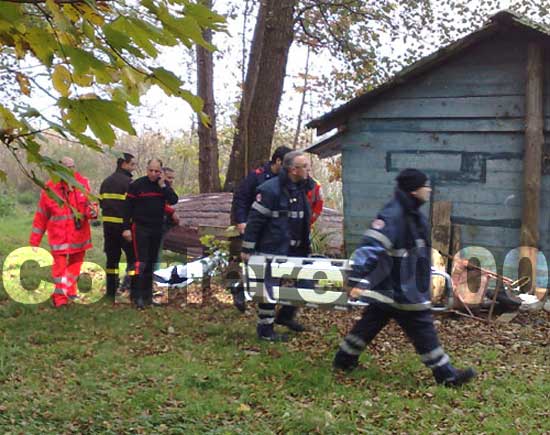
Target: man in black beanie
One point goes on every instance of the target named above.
(391, 271)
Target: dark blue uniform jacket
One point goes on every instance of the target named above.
(393, 264)
(244, 196)
(278, 222)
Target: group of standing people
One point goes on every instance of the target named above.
(135, 214)
(273, 208)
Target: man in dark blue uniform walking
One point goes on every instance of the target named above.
(278, 223)
(391, 271)
(243, 198)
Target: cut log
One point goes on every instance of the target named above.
(213, 210)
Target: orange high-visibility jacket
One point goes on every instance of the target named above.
(60, 221)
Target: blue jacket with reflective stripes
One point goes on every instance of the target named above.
(393, 264)
(278, 222)
(243, 198)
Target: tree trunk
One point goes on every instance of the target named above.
(303, 102)
(237, 160)
(534, 141)
(264, 109)
(263, 88)
(209, 172)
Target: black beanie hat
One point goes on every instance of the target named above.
(409, 180)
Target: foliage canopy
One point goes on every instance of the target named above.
(91, 59)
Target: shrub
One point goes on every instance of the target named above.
(320, 241)
(7, 204)
(28, 197)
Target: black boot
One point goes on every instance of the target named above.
(344, 361)
(460, 377)
(140, 304)
(112, 284)
(291, 324)
(239, 301)
(507, 301)
(287, 317)
(267, 333)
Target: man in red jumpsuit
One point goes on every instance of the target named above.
(68, 230)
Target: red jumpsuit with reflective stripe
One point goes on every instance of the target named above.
(316, 201)
(68, 230)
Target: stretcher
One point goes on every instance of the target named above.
(310, 282)
(306, 281)
(180, 276)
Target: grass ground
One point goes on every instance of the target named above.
(197, 368)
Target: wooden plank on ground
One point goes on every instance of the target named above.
(441, 239)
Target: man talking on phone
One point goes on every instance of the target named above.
(145, 207)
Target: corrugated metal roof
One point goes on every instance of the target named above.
(498, 21)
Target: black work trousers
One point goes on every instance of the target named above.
(417, 325)
(146, 242)
(266, 311)
(113, 245)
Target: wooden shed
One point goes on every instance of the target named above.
(475, 115)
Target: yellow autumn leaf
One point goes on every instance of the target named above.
(24, 83)
(91, 15)
(243, 408)
(58, 15)
(71, 12)
(83, 80)
(66, 38)
(7, 120)
(19, 48)
(61, 79)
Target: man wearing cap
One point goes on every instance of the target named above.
(391, 271)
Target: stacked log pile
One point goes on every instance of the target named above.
(213, 210)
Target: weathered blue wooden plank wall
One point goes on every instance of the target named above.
(464, 124)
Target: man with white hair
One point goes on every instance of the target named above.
(278, 223)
